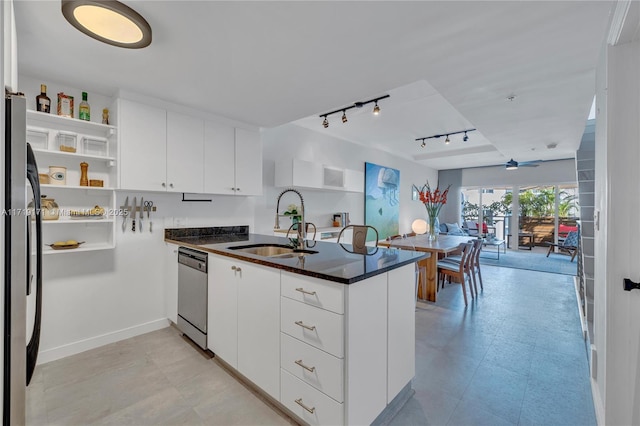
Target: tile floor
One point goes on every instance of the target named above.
(513, 356)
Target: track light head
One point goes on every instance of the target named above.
(325, 123)
(344, 116)
(376, 109)
(423, 144)
(446, 141)
(465, 138)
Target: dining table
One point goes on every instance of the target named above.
(443, 245)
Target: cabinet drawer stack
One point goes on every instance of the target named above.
(312, 349)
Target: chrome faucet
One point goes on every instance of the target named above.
(301, 225)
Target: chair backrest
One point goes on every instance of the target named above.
(359, 238)
(465, 249)
(477, 248)
(563, 229)
(571, 240)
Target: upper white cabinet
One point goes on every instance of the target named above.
(143, 154)
(248, 163)
(219, 159)
(306, 174)
(185, 147)
(163, 150)
(232, 160)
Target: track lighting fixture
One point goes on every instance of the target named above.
(376, 109)
(447, 140)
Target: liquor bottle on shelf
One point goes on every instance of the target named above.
(84, 111)
(43, 103)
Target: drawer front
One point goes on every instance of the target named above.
(319, 369)
(320, 409)
(315, 326)
(312, 291)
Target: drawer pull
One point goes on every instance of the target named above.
(311, 410)
(302, 290)
(308, 327)
(311, 369)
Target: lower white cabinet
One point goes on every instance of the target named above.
(244, 319)
(311, 405)
(222, 319)
(332, 354)
(259, 326)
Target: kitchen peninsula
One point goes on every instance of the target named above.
(327, 334)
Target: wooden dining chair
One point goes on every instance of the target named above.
(458, 270)
(359, 238)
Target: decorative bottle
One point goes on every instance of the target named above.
(84, 111)
(43, 103)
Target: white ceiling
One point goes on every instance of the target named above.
(448, 66)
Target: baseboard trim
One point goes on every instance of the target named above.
(97, 341)
(583, 318)
(597, 402)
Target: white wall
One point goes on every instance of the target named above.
(617, 312)
(108, 295)
(290, 141)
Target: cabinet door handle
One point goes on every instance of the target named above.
(164, 185)
(299, 402)
(237, 189)
(302, 290)
(311, 369)
(308, 327)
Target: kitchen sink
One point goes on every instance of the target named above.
(272, 250)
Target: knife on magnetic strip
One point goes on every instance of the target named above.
(125, 213)
(133, 221)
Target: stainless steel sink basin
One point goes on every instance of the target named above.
(272, 250)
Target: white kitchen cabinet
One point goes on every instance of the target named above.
(248, 162)
(219, 159)
(259, 325)
(222, 318)
(143, 141)
(88, 142)
(244, 319)
(232, 161)
(171, 282)
(310, 175)
(185, 148)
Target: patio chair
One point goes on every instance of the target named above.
(569, 245)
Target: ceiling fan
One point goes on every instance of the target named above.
(513, 164)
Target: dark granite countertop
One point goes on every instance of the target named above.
(332, 262)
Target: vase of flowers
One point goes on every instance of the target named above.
(433, 201)
(293, 211)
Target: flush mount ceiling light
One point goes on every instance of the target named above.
(447, 140)
(376, 110)
(109, 21)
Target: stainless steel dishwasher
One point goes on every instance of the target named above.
(192, 295)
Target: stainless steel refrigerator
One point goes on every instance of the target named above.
(21, 248)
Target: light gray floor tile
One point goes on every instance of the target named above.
(515, 354)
